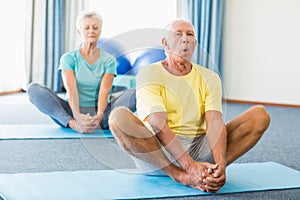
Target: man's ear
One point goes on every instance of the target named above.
(164, 42)
(78, 31)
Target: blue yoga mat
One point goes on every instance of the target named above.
(45, 131)
(126, 184)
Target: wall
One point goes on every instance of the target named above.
(12, 68)
(261, 51)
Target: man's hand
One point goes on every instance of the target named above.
(203, 176)
(216, 178)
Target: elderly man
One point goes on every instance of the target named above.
(179, 131)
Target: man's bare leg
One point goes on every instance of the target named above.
(244, 131)
(137, 140)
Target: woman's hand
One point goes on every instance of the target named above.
(96, 120)
(84, 123)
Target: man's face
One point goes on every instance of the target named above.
(182, 41)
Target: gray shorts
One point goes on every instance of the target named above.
(198, 148)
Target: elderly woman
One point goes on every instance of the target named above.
(87, 74)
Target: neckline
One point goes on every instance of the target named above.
(165, 71)
(91, 64)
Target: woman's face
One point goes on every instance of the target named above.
(90, 30)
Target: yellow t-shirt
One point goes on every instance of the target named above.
(184, 98)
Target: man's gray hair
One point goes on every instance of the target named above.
(169, 27)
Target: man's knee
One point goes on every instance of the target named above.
(125, 126)
(262, 118)
(117, 115)
(122, 121)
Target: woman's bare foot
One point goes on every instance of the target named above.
(73, 125)
(89, 126)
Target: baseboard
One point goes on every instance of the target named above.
(261, 103)
(11, 92)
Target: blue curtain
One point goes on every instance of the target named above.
(207, 18)
(54, 31)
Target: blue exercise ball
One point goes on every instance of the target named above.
(147, 57)
(123, 65)
(115, 49)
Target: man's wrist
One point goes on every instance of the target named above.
(174, 172)
(221, 162)
(185, 161)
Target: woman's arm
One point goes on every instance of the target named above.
(71, 87)
(81, 123)
(105, 87)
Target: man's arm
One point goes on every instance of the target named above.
(158, 122)
(217, 139)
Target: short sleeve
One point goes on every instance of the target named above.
(109, 62)
(111, 67)
(67, 62)
(148, 94)
(213, 99)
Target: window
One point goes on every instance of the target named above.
(124, 22)
(120, 16)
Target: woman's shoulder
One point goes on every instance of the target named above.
(70, 57)
(69, 54)
(106, 54)
(72, 53)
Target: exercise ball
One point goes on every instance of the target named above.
(115, 49)
(147, 57)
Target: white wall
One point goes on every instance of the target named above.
(261, 51)
(12, 68)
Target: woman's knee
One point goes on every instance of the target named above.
(33, 91)
(39, 94)
(33, 87)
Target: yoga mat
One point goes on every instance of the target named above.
(45, 131)
(125, 184)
